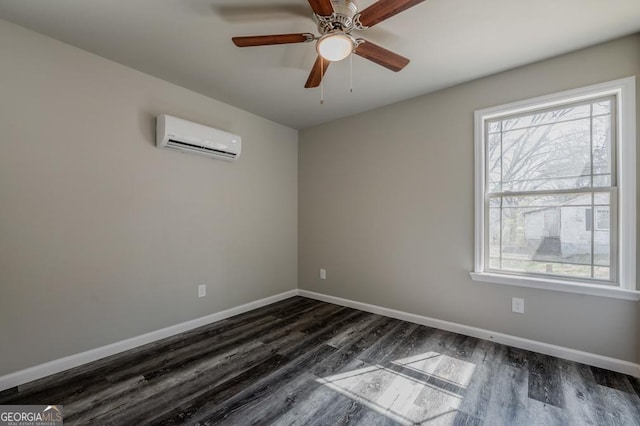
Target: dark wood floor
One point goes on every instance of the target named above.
(306, 362)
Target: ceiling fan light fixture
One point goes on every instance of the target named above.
(335, 46)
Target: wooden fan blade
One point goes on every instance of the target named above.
(267, 40)
(321, 7)
(384, 9)
(317, 72)
(381, 56)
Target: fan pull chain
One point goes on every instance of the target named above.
(351, 73)
(321, 80)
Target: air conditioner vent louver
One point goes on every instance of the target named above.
(183, 135)
(198, 148)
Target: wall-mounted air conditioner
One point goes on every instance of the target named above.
(183, 135)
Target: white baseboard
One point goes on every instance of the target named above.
(61, 364)
(71, 361)
(595, 360)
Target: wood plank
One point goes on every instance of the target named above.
(101, 398)
(487, 358)
(544, 380)
(302, 323)
(389, 343)
(546, 414)
(211, 401)
(274, 394)
(332, 403)
(372, 328)
(509, 395)
(174, 385)
(579, 398)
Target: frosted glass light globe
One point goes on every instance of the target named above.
(335, 46)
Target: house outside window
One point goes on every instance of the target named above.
(555, 191)
(603, 220)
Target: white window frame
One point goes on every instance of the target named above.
(625, 95)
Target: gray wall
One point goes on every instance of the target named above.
(102, 235)
(386, 206)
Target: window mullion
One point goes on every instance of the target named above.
(550, 192)
(501, 184)
(594, 214)
(593, 207)
(614, 238)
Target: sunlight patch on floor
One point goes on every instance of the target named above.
(442, 367)
(422, 389)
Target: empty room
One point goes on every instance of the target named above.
(319, 212)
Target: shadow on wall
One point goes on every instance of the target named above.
(147, 126)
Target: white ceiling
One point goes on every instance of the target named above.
(188, 42)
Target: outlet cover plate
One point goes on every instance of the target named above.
(517, 305)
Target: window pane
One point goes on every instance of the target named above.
(547, 117)
(494, 126)
(494, 263)
(602, 198)
(601, 273)
(602, 237)
(602, 218)
(555, 156)
(601, 248)
(494, 163)
(554, 234)
(602, 145)
(601, 181)
(532, 266)
(494, 232)
(602, 107)
(565, 148)
(557, 234)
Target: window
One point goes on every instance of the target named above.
(555, 191)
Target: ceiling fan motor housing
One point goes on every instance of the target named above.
(342, 18)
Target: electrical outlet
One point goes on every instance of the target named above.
(202, 290)
(323, 274)
(517, 305)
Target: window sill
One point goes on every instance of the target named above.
(558, 285)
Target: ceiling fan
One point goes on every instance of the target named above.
(336, 20)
